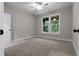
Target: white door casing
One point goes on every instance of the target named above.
(76, 26)
(7, 29)
(1, 27)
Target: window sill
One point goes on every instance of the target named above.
(50, 33)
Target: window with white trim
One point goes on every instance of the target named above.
(51, 24)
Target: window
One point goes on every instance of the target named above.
(46, 24)
(51, 24)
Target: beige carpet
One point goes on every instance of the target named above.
(40, 47)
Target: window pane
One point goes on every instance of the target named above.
(55, 18)
(54, 23)
(45, 28)
(45, 24)
(55, 28)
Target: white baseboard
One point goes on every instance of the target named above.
(17, 41)
(29, 37)
(23, 38)
(54, 38)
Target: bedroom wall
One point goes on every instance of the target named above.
(65, 24)
(22, 23)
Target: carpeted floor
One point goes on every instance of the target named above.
(40, 47)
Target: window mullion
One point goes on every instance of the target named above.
(49, 24)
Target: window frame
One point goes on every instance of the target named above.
(49, 27)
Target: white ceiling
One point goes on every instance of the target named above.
(51, 7)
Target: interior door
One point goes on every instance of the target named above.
(7, 29)
(76, 27)
(1, 28)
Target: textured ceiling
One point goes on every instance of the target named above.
(48, 8)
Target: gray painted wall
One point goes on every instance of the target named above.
(65, 24)
(22, 23)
